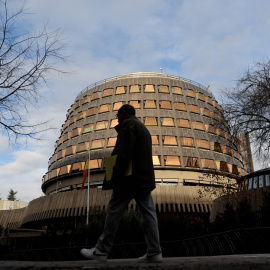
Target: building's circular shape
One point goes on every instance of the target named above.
(190, 136)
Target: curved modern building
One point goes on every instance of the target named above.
(189, 134)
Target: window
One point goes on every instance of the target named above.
(111, 142)
(95, 163)
(107, 92)
(224, 166)
(167, 121)
(86, 99)
(54, 173)
(82, 147)
(67, 136)
(150, 121)
(172, 161)
(149, 88)
(184, 123)
(155, 139)
(87, 128)
(200, 96)
(104, 108)
(121, 90)
(118, 105)
(135, 88)
(163, 89)
(114, 122)
(76, 132)
(72, 120)
(81, 115)
(190, 162)
(76, 105)
(197, 125)
(205, 112)
(180, 106)
(267, 180)
(235, 169)
(169, 140)
(101, 125)
(97, 144)
(70, 150)
(202, 144)
(177, 90)
(193, 108)
(64, 170)
(96, 95)
(189, 93)
(187, 141)
(61, 154)
(165, 104)
(135, 103)
(210, 128)
(255, 182)
(208, 163)
(217, 147)
(261, 181)
(250, 183)
(77, 166)
(150, 104)
(156, 160)
(92, 111)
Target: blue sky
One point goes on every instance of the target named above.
(208, 41)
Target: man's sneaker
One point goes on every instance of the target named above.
(94, 254)
(151, 258)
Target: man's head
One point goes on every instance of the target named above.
(124, 112)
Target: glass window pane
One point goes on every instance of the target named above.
(150, 104)
(155, 139)
(111, 142)
(86, 99)
(156, 160)
(172, 160)
(98, 144)
(114, 122)
(177, 90)
(107, 92)
(208, 163)
(200, 96)
(88, 128)
(261, 181)
(165, 104)
(96, 95)
(101, 125)
(77, 166)
(187, 141)
(250, 183)
(190, 162)
(223, 166)
(169, 140)
(267, 180)
(180, 106)
(184, 123)
(95, 163)
(81, 147)
(189, 93)
(104, 108)
(167, 121)
(197, 125)
(202, 144)
(121, 90)
(149, 88)
(92, 111)
(193, 108)
(135, 103)
(118, 105)
(135, 88)
(163, 89)
(150, 121)
(255, 182)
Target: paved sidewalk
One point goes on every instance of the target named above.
(229, 262)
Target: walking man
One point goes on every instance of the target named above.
(133, 145)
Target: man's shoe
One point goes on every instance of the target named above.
(151, 258)
(94, 254)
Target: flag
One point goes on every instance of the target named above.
(85, 172)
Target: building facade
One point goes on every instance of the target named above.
(190, 141)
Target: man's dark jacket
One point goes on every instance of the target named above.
(133, 144)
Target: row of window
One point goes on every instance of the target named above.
(148, 104)
(147, 88)
(166, 141)
(256, 182)
(168, 161)
(152, 121)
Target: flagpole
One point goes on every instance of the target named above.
(88, 190)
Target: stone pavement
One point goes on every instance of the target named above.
(225, 262)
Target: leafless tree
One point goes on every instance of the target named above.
(247, 107)
(26, 59)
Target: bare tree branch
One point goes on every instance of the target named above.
(26, 60)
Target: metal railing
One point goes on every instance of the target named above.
(144, 74)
